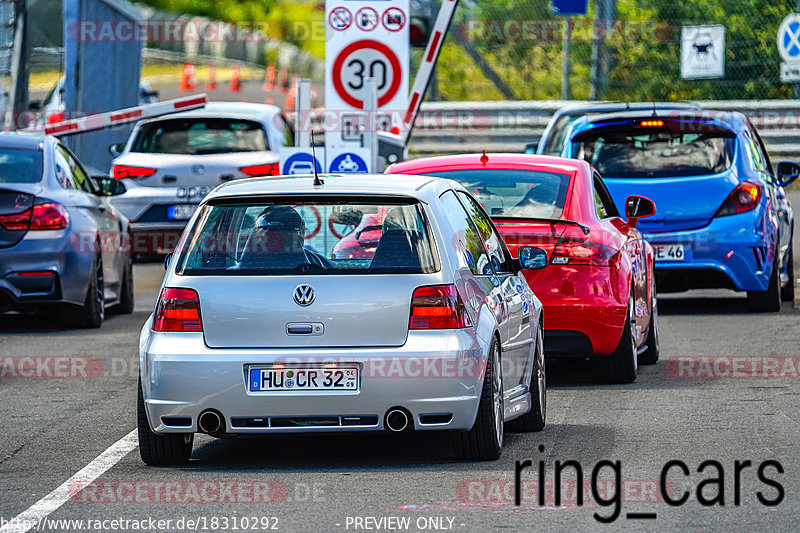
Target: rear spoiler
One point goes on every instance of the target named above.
(552, 221)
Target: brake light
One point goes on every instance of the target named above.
(745, 197)
(126, 171)
(269, 169)
(177, 310)
(652, 123)
(39, 217)
(575, 251)
(49, 216)
(55, 117)
(438, 307)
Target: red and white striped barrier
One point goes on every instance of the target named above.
(122, 116)
(425, 70)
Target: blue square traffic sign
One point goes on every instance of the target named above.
(570, 7)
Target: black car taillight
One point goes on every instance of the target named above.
(745, 197)
(177, 310)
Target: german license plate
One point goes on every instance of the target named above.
(329, 377)
(181, 211)
(669, 252)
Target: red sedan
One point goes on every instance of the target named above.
(597, 288)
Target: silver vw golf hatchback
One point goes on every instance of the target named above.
(350, 303)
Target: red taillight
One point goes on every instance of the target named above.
(55, 117)
(49, 216)
(438, 307)
(16, 221)
(745, 197)
(575, 251)
(269, 169)
(177, 310)
(126, 171)
(39, 217)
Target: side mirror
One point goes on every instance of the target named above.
(116, 149)
(531, 148)
(788, 171)
(109, 186)
(637, 207)
(166, 261)
(532, 257)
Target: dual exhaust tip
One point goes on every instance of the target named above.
(211, 422)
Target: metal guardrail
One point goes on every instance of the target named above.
(506, 126)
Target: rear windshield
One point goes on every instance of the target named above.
(20, 166)
(284, 236)
(656, 154)
(515, 193)
(200, 136)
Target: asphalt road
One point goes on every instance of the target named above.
(68, 429)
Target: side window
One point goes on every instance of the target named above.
(755, 155)
(493, 241)
(63, 171)
(602, 199)
(79, 177)
(284, 130)
(762, 151)
(468, 241)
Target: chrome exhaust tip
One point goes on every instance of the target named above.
(210, 422)
(397, 420)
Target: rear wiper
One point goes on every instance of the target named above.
(552, 221)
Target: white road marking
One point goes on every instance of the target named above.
(39, 510)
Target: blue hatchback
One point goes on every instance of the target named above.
(722, 220)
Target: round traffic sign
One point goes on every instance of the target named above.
(366, 59)
(340, 18)
(367, 19)
(393, 19)
(789, 38)
(348, 162)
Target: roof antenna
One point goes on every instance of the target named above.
(317, 182)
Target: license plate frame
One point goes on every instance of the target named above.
(334, 377)
(669, 252)
(181, 211)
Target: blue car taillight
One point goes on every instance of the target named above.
(745, 197)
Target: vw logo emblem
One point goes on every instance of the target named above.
(198, 169)
(304, 295)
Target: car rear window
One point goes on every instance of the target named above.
(18, 165)
(200, 136)
(643, 153)
(291, 235)
(514, 193)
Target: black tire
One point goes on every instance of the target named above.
(787, 292)
(155, 449)
(653, 348)
(125, 305)
(484, 441)
(534, 420)
(623, 364)
(768, 301)
(92, 312)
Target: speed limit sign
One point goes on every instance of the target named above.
(375, 45)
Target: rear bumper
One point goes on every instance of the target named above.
(435, 377)
(734, 252)
(44, 251)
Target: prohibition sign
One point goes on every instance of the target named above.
(340, 18)
(394, 70)
(393, 19)
(367, 18)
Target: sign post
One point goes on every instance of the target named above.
(363, 40)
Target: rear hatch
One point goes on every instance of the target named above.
(685, 164)
(182, 170)
(260, 312)
(267, 276)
